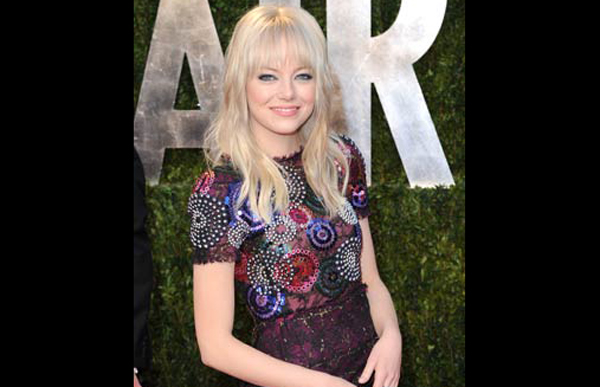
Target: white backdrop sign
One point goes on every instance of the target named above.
(185, 28)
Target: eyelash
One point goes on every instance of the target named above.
(263, 77)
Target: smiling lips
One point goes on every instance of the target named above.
(285, 111)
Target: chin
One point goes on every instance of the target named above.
(289, 129)
(286, 132)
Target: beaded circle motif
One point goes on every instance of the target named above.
(330, 282)
(264, 305)
(282, 229)
(265, 271)
(209, 220)
(347, 213)
(347, 259)
(295, 186)
(321, 233)
(300, 251)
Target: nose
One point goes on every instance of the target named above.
(287, 90)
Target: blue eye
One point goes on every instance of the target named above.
(305, 77)
(266, 77)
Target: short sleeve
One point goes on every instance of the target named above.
(356, 191)
(215, 233)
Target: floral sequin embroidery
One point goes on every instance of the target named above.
(204, 182)
(359, 195)
(304, 266)
(301, 215)
(357, 187)
(241, 268)
(281, 266)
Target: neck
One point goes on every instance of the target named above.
(280, 145)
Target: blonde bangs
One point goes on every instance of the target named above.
(277, 43)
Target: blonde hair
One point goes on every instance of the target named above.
(257, 42)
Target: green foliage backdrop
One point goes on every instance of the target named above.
(419, 234)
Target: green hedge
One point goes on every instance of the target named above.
(419, 234)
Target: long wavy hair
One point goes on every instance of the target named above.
(257, 42)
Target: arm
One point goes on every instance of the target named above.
(386, 356)
(214, 309)
(382, 306)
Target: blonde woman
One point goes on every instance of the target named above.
(281, 215)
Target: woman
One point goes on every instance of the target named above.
(281, 216)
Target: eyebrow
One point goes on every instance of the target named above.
(299, 68)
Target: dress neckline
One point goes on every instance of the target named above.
(292, 156)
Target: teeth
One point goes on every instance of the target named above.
(284, 110)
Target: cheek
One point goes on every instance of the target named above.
(255, 95)
(309, 95)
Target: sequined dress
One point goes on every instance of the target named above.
(300, 275)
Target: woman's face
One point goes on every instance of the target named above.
(281, 99)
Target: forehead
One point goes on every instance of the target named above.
(280, 53)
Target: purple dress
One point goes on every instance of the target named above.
(300, 275)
